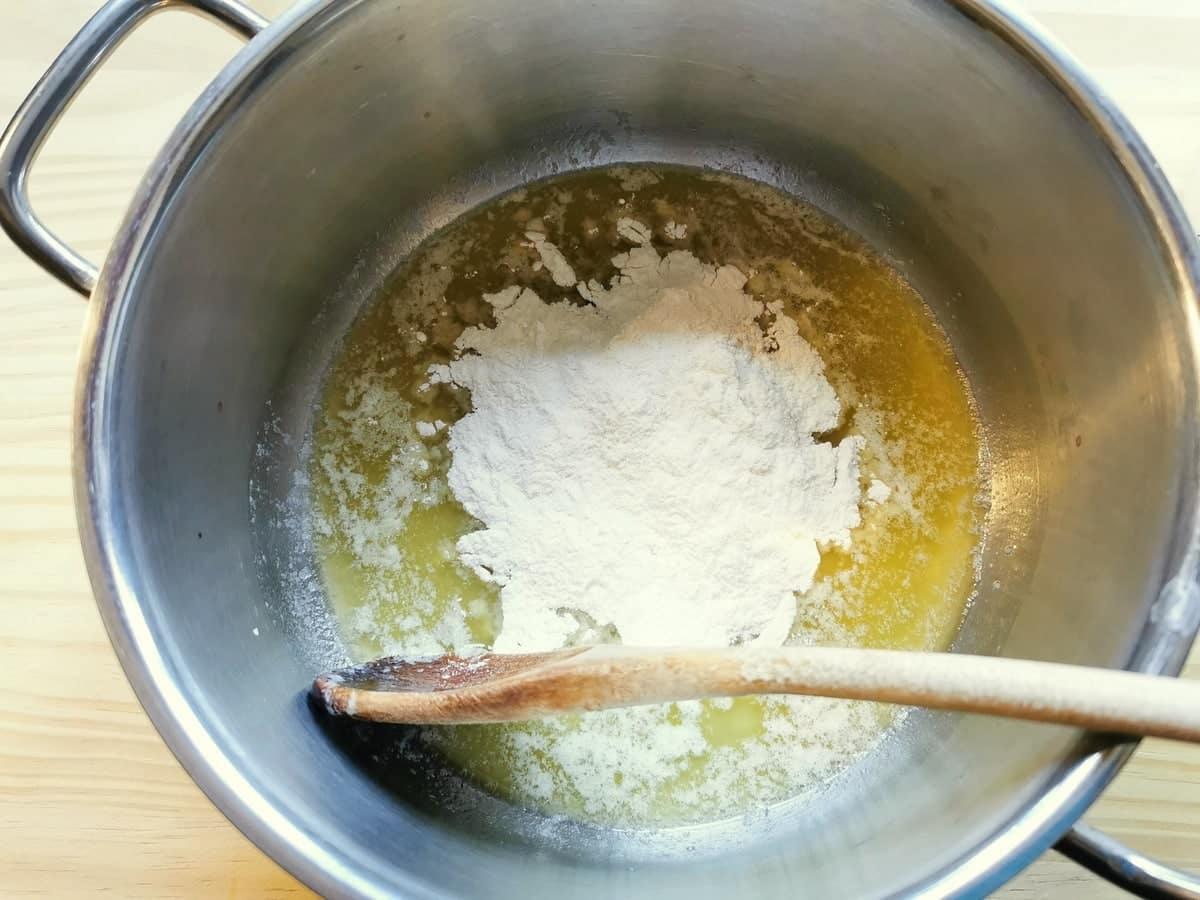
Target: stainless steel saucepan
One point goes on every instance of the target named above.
(951, 134)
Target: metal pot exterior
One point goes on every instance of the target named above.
(947, 133)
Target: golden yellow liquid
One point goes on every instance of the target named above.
(387, 523)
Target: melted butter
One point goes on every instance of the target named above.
(904, 583)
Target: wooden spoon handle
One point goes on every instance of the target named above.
(1097, 699)
(498, 688)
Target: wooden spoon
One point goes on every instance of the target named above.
(497, 688)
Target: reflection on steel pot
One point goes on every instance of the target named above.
(950, 134)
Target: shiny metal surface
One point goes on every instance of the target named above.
(1140, 876)
(33, 122)
(951, 135)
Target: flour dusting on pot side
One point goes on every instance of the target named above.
(662, 407)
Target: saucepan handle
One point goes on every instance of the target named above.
(1170, 631)
(1127, 869)
(49, 99)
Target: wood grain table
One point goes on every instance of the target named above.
(91, 801)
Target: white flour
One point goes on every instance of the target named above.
(647, 463)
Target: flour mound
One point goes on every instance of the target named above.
(647, 463)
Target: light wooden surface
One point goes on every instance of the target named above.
(91, 802)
